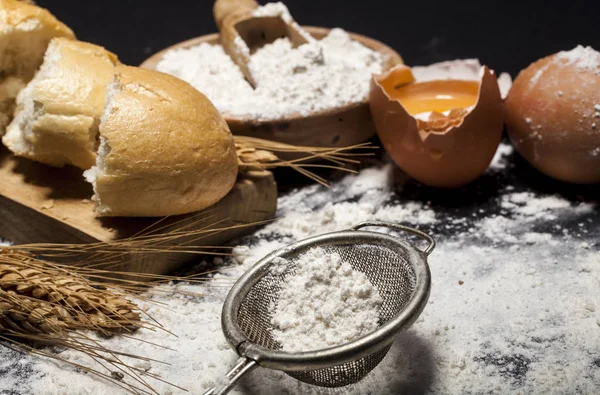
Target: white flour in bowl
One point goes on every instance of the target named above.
(325, 303)
(325, 74)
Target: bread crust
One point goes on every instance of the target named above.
(18, 17)
(17, 13)
(69, 98)
(25, 31)
(170, 151)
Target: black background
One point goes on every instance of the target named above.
(506, 35)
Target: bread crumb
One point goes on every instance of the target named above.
(47, 205)
(460, 282)
(117, 375)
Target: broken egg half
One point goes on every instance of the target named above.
(443, 133)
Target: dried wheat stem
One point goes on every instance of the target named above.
(258, 154)
(40, 298)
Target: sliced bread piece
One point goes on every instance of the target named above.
(25, 31)
(164, 148)
(59, 111)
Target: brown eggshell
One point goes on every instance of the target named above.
(459, 69)
(460, 148)
(552, 122)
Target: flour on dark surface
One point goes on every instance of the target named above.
(513, 305)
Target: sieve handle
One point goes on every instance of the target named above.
(403, 228)
(243, 367)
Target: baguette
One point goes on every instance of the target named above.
(164, 148)
(150, 144)
(59, 111)
(25, 31)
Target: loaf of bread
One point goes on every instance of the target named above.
(150, 144)
(59, 111)
(164, 148)
(25, 31)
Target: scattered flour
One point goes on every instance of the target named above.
(586, 58)
(513, 306)
(500, 158)
(523, 211)
(528, 205)
(325, 303)
(274, 9)
(538, 74)
(319, 75)
(279, 9)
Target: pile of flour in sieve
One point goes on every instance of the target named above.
(325, 303)
(320, 75)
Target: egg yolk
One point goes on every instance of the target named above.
(436, 96)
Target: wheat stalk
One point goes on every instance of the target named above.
(258, 154)
(50, 303)
(44, 304)
(56, 299)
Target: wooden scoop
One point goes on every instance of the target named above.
(242, 33)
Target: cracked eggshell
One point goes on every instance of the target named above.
(459, 69)
(441, 150)
(553, 116)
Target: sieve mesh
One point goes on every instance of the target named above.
(387, 269)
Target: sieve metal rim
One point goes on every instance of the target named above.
(371, 343)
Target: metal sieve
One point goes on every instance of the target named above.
(398, 269)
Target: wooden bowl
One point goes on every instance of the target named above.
(339, 127)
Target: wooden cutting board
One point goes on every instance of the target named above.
(42, 204)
